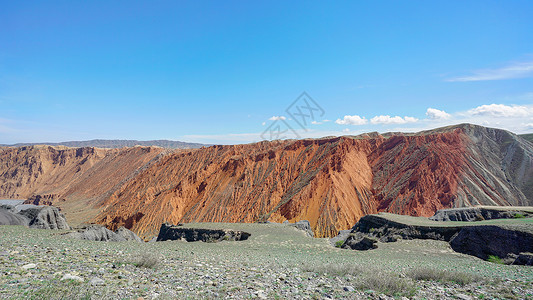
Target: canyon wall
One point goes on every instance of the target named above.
(332, 182)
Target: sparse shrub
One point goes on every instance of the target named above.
(518, 216)
(145, 260)
(339, 244)
(387, 283)
(366, 279)
(495, 259)
(424, 273)
(333, 269)
(67, 290)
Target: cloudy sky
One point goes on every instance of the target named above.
(243, 71)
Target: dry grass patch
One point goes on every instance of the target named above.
(432, 274)
(386, 283)
(367, 279)
(333, 269)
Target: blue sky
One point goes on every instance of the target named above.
(224, 72)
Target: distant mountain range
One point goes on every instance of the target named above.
(118, 144)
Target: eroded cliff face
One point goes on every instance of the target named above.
(74, 179)
(331, 182)
(325, 181)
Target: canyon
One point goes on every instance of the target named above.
(332, 182)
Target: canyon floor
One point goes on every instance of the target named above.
(276, 262)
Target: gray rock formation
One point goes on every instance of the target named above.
(172, 232)
(8, 216)
(128, 235)
(43, 217)
(101, 234)
(471, 214)
(342, 236)
(303, 225)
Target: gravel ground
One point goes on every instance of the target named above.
(276, 262)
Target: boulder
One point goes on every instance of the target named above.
(359, 241)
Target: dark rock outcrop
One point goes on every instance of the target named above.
(511, 241)
(386, 230)
(101, 234)
(358, 241)
(482, 241)
(46, 199)
(472, 214)
(171, 232)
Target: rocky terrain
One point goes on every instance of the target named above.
(332, 182)
(275, 262)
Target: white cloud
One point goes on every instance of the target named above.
(392, 120)
(516, 70)
(501, 110)
(352, 120)
(436, 114)
(319, 122)
(276, 118)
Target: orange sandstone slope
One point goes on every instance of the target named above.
(74, 179)
(277, 181)
(330, 182)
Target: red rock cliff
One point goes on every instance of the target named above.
(331, 182)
